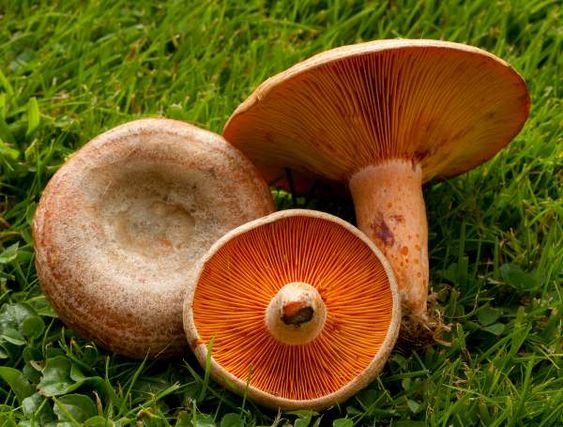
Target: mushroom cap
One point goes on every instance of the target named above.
(447, 106)
(227, 311)
(121, 226)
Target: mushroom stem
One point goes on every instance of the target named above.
(296, 315)
(390, 210)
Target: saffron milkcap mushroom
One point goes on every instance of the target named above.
(385, 117)
(298, 309)
(122, 225)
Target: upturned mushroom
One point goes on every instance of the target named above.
(298, 309)
(121, 226)
(385, 117)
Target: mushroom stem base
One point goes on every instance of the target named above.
(390, 210)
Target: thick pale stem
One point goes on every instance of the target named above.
(296, 315)
(390, 210)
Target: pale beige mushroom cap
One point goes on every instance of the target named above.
(446, 106)
(122, 225)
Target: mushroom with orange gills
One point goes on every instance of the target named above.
(298, 309)
(385, 117)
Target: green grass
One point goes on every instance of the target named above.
(69, 71)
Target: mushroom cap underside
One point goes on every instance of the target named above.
(122, 224)
(447, 106)
(226, 311)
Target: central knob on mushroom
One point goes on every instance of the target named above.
(297, 314)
